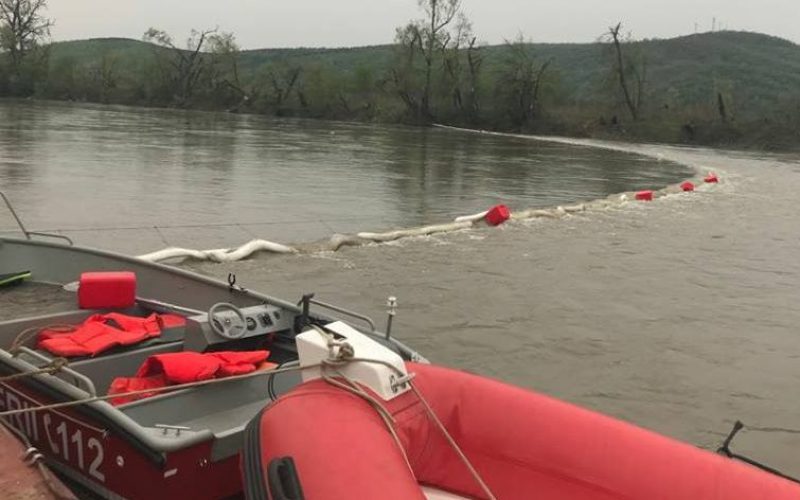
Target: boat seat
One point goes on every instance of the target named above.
(224, 409)
(124, 361)
(103, 369)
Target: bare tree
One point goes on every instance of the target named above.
(225, 58)
(426, 36)
(474, 63)
(521, 81)
(724, 93)
(452, 49)
(722, 109)
(462, 61)
(283, 79)
(186, 66)
(22, 27)
(403, 73)
(625, 68)
(104, 75)
(226, 55)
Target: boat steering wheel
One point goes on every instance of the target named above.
(229, 326)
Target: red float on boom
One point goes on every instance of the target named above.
(497, 215)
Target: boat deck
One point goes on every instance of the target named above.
(34, 299)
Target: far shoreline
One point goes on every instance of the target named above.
(554, 137)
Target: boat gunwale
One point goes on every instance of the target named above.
(203, 280)
(52, 387)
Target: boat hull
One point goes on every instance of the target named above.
(97, 457)
(523, 444)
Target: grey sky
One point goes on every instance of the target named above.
(334, 23)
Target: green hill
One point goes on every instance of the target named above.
(757, 76)
(759, 70)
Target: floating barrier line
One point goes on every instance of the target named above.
(218, 255)
(495, 216)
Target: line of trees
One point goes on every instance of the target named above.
(438, 72)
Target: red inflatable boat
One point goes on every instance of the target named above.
(321, 442)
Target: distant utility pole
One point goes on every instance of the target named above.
(714, 24)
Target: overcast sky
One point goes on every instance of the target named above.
(336, 23)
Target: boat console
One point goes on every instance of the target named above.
(225, 322)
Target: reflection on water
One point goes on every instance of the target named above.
(90, 169)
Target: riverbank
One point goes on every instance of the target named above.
(774, 136)
(731, 89)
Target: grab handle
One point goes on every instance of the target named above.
(80, 379)
(284, 483)
(308, 299)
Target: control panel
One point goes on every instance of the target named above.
(258, 320)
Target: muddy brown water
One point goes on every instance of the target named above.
(679, 315)
(136, 180)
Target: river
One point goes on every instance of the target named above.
(679, 315)
(137, 180)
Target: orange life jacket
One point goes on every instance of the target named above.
(162, 370)
(101, 332)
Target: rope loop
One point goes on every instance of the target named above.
(51, 368)
(25, 335)
(56, 365)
